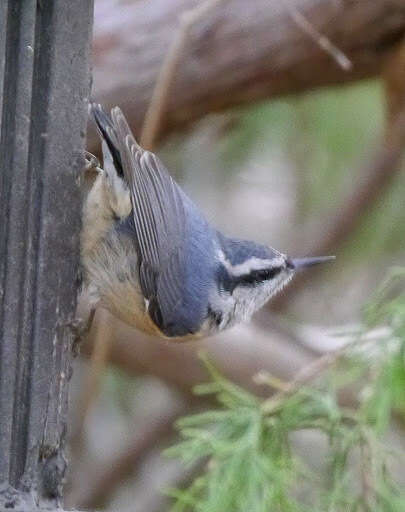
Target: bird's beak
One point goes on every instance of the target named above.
(299, 263)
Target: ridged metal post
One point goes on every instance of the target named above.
(44, 88)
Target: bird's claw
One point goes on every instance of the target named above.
(80, 329)
(91, 162)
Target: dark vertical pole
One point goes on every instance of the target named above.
(44, 88)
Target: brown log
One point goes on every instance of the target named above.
(240, 52)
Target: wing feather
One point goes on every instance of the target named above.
(160, 224)
(169, 232)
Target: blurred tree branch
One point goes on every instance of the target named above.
(275, 56)
(394, 82)
(155, 114)
(239, 353)
(157, 107)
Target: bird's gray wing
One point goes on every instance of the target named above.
(160, 225)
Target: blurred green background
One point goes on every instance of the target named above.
(275, 171)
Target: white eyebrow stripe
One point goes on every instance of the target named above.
(251, 264)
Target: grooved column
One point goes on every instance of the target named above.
(44, 88)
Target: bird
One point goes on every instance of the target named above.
(150, 256)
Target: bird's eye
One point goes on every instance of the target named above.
(258, 276)
(268, 273)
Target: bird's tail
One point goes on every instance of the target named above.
(108, 135)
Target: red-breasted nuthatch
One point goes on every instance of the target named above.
(152, 259)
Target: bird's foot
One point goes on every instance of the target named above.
(80, 329)
(92, 163)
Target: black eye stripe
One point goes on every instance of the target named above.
(257, 276)
(228, 282)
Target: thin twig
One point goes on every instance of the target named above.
(98, 363)
(304, 376)
(321, 40)
(160, 96)
(367, 488)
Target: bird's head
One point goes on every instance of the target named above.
(249, 274)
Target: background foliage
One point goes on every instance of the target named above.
(274, 171)
(251, 461)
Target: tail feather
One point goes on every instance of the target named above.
(108, 134)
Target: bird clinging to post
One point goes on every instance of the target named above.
(152, 259)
